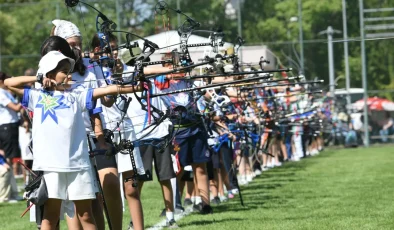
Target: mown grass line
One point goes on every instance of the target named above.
(338, 189)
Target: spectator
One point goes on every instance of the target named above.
(5, 183)
(9, 129)
(30, 72)
(387, 127)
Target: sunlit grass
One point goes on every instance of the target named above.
(338, 189)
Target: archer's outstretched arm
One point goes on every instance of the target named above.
(116, 90)
(16, 84)
(155, 69)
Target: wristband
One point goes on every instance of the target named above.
(40, 78)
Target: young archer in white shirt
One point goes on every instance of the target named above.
(61, 157)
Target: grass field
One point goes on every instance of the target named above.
(338, 189)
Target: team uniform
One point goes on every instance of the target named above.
(59, 141)
(190, 134)
(90, 80)
(162, 160)
(111, 117)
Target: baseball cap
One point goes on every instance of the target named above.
(66, 29)
(50, 61)
(125, 54)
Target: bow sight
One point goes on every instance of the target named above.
(162, 8)
(185, 30)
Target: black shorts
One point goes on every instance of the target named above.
(193, 149)
(226, 156)
(210, 170)
(187, 176)
(9, 140)
(215, 159)
(163, 162)
(103, 161)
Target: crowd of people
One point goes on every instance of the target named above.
(201, 153)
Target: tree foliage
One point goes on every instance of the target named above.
(26, 23)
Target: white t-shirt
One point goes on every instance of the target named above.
(7, 115)
(110, 116)
(140, 117)
(59, 138)
(87, 81)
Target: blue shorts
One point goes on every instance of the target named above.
(193, 149)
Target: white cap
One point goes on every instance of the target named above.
(50, 61)
(66, 29)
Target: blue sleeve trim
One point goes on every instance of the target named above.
(25, 97)
(96, 110)
(90, 103)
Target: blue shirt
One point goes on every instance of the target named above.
(2, 160)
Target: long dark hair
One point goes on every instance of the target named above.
(60, 44)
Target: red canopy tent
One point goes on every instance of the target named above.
(375, 103)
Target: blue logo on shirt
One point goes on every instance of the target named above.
(49, 105)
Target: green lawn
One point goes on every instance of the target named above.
(338, 189)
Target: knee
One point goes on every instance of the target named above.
(109, 180)
(84, 209)
(111, 185)
(131, 192)
(199, 168)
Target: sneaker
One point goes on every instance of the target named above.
(203, 209)
(163, 213)
(206, 209)
(257, 172)
(215, 201)
(242, 181)
(278, 164)
(171, 224)
(264, 168)
(223, 199)
(187, 202)
(230, 195)
(249, 178)
(296, 158)
(131, 227)
(179, 209)
(234, 191)
(314, 152)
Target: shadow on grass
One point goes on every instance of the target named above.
(206, 222)
(255, 194)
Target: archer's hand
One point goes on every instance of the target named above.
(6, 166)
(47, 83)
(26, 126)
(232, 137)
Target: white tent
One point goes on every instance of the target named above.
(248, 54)
(171, 39)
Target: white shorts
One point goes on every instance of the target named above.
(24, 141)
(71, 185)
(123, 160)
